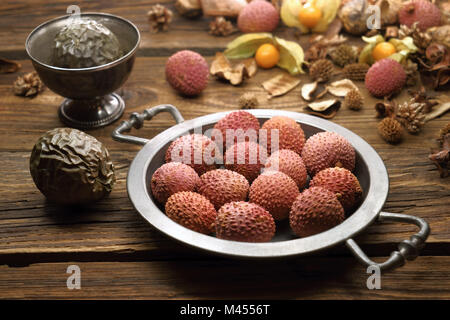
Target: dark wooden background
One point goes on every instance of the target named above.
(122, 256)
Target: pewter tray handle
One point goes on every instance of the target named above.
(137, 121)
(407, 249)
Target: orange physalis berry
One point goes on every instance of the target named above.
(267, 56)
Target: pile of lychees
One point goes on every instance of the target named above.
(263, 179)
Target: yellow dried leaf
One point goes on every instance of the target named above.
(280, 84)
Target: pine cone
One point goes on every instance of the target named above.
(28, 85)
(421, 39)
(390, 130)
(355, 71)
(248, 101)
(410, 114)
(442, 133)
(321, 70)
(412, 73)
(159, 18)
(353, 100)
(221, 27)
(343, 55)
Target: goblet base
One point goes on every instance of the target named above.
(91, 113)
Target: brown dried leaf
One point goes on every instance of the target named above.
(443, 108)
(327, 114)
(222, 68)
(9, 66)
(322, 106)
(341, 88)
(308, 91)
(280, 84)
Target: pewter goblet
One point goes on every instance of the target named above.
(90, 99)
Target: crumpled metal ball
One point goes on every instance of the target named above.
(71, 167)
(85, 43)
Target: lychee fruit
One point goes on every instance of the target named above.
(238, 126)
(328, 149)
(171, 178)
(187, 72)
(244, 221)
(258, 16)
(290, 163)
(343, 183)
(195, 150)
(275, 192)
(222, 186)
(246, 158)
(424, 12)
(192, 210)
(286, 131)
(384, 78)
(314, 211)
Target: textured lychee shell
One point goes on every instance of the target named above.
(425, 13)
(343, 183)
(203, 152)
(258, 16)
(328, 149)
(290, 163)
(187, 72)
(246, 158)
(244, 221)
(171, 178)
(290, 134)
(241, 124)
(222, 186)
(314, 211)
(192, 210)
(275, 192)
(385, 78)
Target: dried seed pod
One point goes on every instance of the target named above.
(321, 70)
(355, 71)
(189, 8)
(390, 130)
(221, 27)
(159, 18)
(343, 55)
(442, 133)
(354, 100)
(248, 101)
(71, 167)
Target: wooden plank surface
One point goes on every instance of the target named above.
(41, 237)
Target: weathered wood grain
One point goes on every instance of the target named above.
(308, 278)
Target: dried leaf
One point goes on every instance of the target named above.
(280, 84)
(322, 106)
(341, 88)
(291, 56)
(443, 108)
(222, 68)
(9, 66)
(327, 114)
(227, 8)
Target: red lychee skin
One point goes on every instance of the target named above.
(290, 134)
(384, 78)
(222, 186)
(290, 163)
(244, 221)
(326, 150)
(187, 72)
(192, 210)
(314, 211)
(424, 12)
(238, 120)
(171, 178)
(258, 16)
(275, 192)
(246, 158)
(204, 154)
(343, 183)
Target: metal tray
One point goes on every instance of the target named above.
(370, 171)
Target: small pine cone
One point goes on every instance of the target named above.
(411, 116)
(221, 27)
(28, 85)
(248, 101)
(412, 73)
(321, 70)
(354, 100)
(443, 132)
(390, 130)
(159, 17)
(355, 71)
(343, 55)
